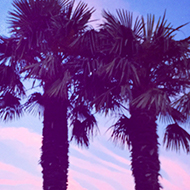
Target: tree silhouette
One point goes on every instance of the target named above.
(41, 48)
(143, 70)
(139, 67)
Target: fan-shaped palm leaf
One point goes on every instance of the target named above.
(121, 131)
(172, 115)
(35, 104)
(10, 106)
(176, 137)
(183, 104)
(154, 99)
(88, 44)
(83, 124)
(30, 20)
(121, 32)
(9, 79)
(68, 26)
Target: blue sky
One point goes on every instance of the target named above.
(103, 166)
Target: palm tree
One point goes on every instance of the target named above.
(142, 68)
(43, 33)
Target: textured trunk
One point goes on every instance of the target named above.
(54, 159)
(144, 153)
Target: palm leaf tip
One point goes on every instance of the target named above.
(176, 137)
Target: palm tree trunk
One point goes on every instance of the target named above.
(54, 159)
(144, 153)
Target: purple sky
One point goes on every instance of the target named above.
(103, 166)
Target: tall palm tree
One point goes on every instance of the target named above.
(43, 33)
(142, 69)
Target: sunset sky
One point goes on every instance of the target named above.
(103, 166)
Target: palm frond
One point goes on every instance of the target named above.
(10, 107)
(59, 88)
(105, 102)
(121, 131)
(7, 46)
(154, 31)
(172, 115)
(35, 104)
(177, 115)
(154, 99)
(81, 15)
(46, 70)
(10, 79)
(30, 21)
(88, 44)
(68, 26)
(83, 125)
(79, 133)
(183, 104)
(125, 18)
(148, 27)
(176, 137)
(123, 70)
(121, 32)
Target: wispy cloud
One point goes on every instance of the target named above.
(97, 168)
(117, 174)
(13, 176)
(73, 184)
(26, 145)
(21, 134)
(90, 182)
(178, 177)
(24, 142)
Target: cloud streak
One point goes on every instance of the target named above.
(13, 176)
(22, 135)
(96, 168)
(178, 177)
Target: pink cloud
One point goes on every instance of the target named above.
(25, 142)
(168, 185)
(96, 172)
(178, 176)
(105, 162)
(13, 176)
(103, 167)
(27, 145)
(112, 154)
(21, 134)
(94, 166)
(73, 185)
(97, 183)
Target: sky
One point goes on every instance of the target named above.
(103, 166)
